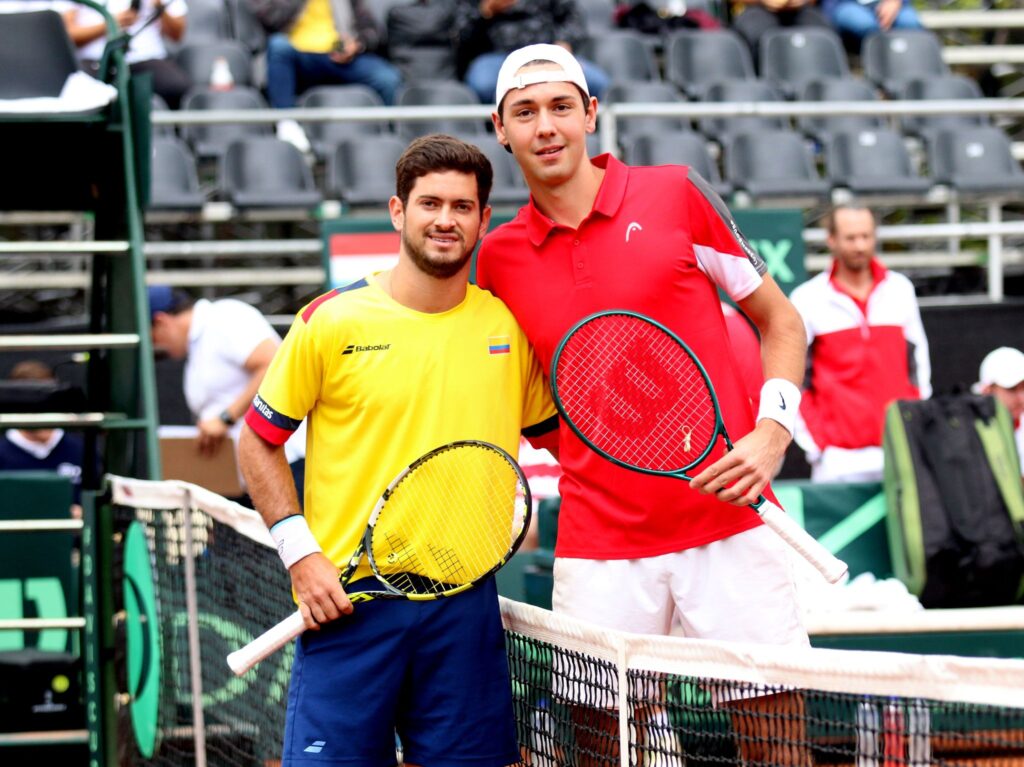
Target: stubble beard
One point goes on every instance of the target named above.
(437, 268)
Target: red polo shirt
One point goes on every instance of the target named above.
(658, 241)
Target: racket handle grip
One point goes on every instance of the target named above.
(267, 643)
(831, 567)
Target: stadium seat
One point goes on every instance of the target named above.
(598, 15)
(157, 104)
(623, 55)
(697, 58)
(894, 58)
(773, 164)
(438, 93)
(265, 172)
(838, 89)
(361, 170)
(212, 140)
(645, 91)
(174, 183)
(246, 28)
(419, 41)
(942, 87)
(720, 129)
(197, 60)
(873, 162)
(794, 56)
(36, 55)
(679, 148)
(976, 160)
(509, 188)
(324, 135)
(208, 21)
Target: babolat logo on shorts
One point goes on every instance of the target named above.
(352, 348)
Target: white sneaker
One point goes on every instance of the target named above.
(291, 131)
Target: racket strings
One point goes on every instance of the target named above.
(636, 394)
(450, 521)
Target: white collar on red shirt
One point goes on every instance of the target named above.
(609, 198)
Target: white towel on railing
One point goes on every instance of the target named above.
(81, 93)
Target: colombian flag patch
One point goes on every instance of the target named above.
(499, 345)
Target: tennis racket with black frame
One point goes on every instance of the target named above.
(448, 521)
(637, 395)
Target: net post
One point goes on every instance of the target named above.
(194, 656)
(623, 682)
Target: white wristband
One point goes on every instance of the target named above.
(780, 401)
(294, 539)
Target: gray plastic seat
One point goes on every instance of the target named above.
(36, 55)
(361, 170)
(265, 172)
(773, 164)
(894, 58)
(438, 93)
(679, 148)
(213, 140)
(976, 160)
(598, 15)
(695, 59)
(721, 129)
(838, 89)
(323, 136)
(508, 188)
(794, 56)
(208, 21)
(197, 60)
(174, 182)
(623, 55)
(873, 162)
(942, 87)
(645, 91)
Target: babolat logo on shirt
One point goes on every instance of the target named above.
(353, 348)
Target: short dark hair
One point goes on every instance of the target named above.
(438, 153)
(830, 219)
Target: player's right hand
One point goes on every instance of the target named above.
(321, 597)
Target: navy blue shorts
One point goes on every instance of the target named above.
(434, 672)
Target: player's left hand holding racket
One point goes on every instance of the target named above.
(448, 521)
(637, 395)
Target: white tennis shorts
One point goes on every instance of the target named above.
(738, 589)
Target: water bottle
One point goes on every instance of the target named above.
(221, 78)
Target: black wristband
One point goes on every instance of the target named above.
(225, 416)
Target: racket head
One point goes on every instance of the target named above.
(451, 519)
(635, 393)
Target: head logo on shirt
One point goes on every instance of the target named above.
(633, 227)
(499, 345)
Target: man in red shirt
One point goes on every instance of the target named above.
(600, 235)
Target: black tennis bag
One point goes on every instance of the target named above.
(955, 502)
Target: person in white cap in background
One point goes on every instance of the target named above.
(1002, 376)
(634, 551)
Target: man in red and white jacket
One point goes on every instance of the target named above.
(867, 348)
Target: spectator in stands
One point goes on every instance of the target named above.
(328, 42)
(148, 22)
(487, 30)
(759, 16)
(867, 349)
(1002, 376)
(227, 346)
(43, 449)
(856, 19)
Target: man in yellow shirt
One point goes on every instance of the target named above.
(385, 370)
(329, 42)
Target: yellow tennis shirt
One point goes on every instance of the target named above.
(382, 384)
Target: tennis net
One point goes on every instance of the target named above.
(584, 696)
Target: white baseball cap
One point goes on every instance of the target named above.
(509, 79)
(1003, 367)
